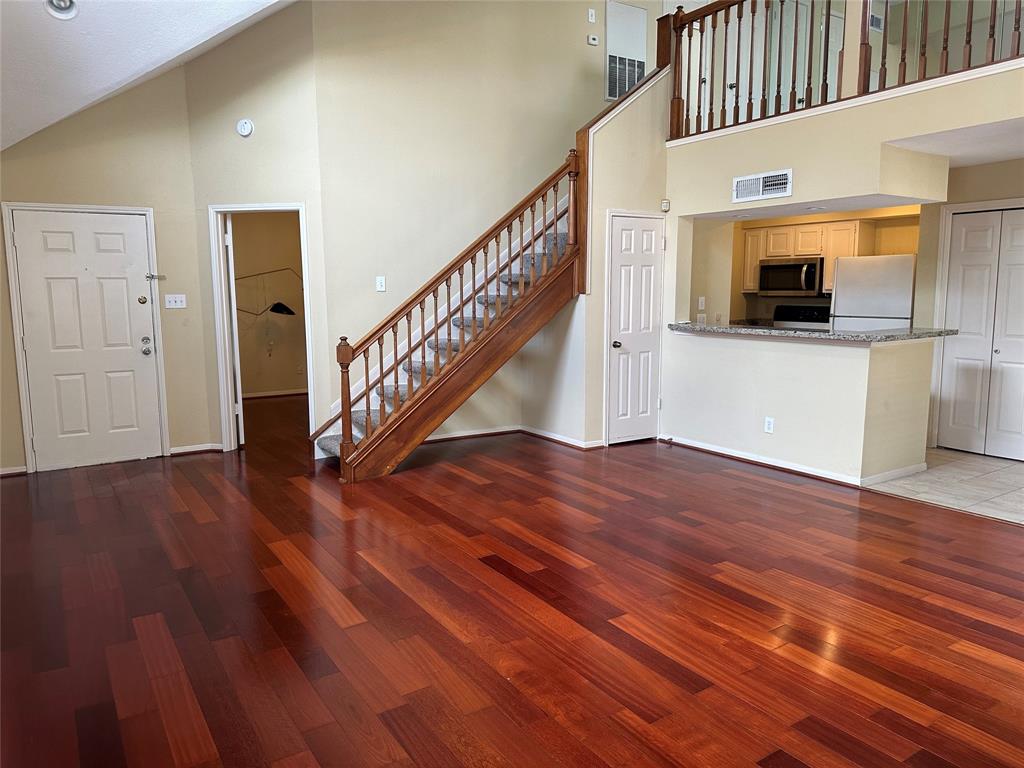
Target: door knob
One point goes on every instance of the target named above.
(616, 344)
(996, 351)
(146, 339)
(147, 351)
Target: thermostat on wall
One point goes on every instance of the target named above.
(244, 127)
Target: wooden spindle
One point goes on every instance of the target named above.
(423, 342)
(394, 368)
(739, 48)
(883, 71)
(809, 90)
(509, 262)
(824, 51)
(486, 312)
(554, 225)
(699, 126)
(944, 56)
(1015, 35)
(901, 75)
(344, 354)
(922, 60)
(676, 111)
(796, 35)
(543, 233)
(725, 69)
(472, 293)
(750, 70)
(711, 72)
(462, 324)
(686, 103)
(497, 275)
(990, 44)
(437, 345)
(778, 64)
(366, 391)
(968, 30)
(574, 172)
(864, 64)
(448, 317)
(408, 348)
(380, 378)
(533, 243)
(767, 59)
(522, 251)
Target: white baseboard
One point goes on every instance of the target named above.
(893, 474)
(196, 448)
(435, 437)
(273, 393)
(584, 444)
(4, 471)
(802, 468)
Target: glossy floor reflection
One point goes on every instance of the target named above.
(500, 601)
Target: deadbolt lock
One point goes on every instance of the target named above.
(143, 299)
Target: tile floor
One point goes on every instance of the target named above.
(983, 485)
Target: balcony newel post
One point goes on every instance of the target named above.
(864, 65)
(344, 361)
(675, 129)
(574, 172)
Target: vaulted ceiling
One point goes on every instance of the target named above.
(51, 68)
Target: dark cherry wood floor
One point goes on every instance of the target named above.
(500, 602)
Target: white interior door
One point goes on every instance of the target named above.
(634, 326)
(1005, 434)
(87, 315)
(970, 308)
(229, 254)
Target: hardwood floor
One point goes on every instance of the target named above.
(501, 602)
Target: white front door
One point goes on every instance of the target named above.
(970, 308)
(87, 315)
(634, 325)
(1005, 435)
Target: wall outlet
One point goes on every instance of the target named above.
(718, 317)
(702, 319)
(175, 301)
(769, 425)
(701, 303)
(381, 284)
(592, 15)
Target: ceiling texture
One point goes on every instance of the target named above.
(51, 68)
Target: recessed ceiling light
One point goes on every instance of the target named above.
(62, 9)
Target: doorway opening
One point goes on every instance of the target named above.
(264, 358)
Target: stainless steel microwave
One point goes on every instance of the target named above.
(791, 277)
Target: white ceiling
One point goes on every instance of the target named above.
(50, 68)
(974, 145)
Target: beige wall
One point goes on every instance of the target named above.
(268, 269)
(132, 150)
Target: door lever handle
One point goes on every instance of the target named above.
(616, 344)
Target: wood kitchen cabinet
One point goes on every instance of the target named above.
(753, 253)
(842, 239)
(808, 239)
(779, 242)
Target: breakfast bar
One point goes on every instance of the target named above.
(846, 405)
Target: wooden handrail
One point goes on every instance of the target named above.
(460, 260)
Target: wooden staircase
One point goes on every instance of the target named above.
(413, 371)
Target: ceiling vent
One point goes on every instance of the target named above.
(762, 186)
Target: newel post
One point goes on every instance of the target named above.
(864, 68)
(675, 128)
(344, 361)
(574, 172)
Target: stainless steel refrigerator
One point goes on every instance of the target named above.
(873, 293)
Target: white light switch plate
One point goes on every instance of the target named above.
(769, 425)
(591, 15)
(174, 301)
(593, 40)
(701, 302)
(381, 284)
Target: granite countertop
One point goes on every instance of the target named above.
(862, 337)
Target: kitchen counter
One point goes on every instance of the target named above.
(847, 337)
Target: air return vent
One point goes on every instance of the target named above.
(761, 186)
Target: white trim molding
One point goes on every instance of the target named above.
(24, 396)
(854, 101)
(893, 474)
(200, 448)
(571, 441)
(10, 471)
(274, 393)
(224, 319)
(946, 214)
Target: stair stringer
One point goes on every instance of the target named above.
(379, 453)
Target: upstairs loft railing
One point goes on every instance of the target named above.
(912, 40)
(737, 61)
(404, 354)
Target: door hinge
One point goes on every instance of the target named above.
(664, 243)
(238, 409)
(227, 239)
(24, 344)
(659, 403)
